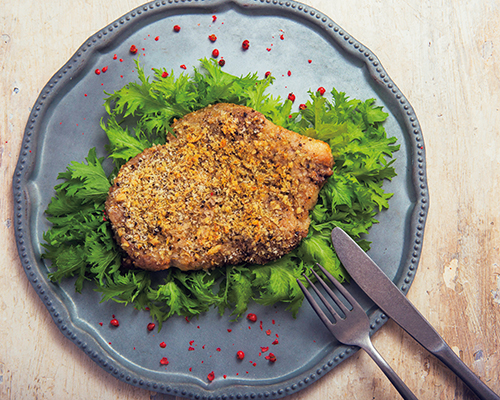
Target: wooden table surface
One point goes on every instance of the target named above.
(444, 55)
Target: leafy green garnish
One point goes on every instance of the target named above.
(80, 242)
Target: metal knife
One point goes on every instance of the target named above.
(385, 294)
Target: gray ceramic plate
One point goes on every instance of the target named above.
(64, 124)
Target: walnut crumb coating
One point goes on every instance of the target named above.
(229, 188)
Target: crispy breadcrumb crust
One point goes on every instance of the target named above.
(229, 188)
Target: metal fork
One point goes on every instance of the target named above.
(353, 328)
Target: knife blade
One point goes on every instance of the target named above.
(386, 295)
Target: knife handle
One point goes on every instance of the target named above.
(453, 362)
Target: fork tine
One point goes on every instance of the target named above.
(322, 316)
(339, 286)
(333, 296)
(324, 300)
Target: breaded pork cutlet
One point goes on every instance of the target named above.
(229, 187)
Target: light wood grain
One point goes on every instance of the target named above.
(443, 55)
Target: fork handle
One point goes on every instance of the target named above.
(400, 386)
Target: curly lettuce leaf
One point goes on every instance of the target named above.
(80, 242)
